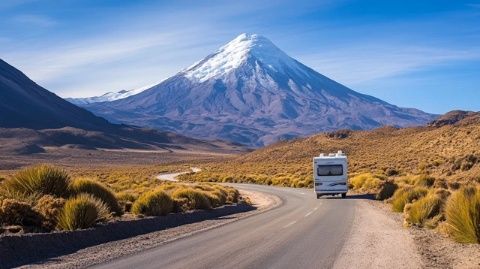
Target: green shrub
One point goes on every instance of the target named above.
(42, 179)
(387, 190)
(423, 209)
(196, 199)
(14, 212)
(405, 195)
(49, 208)
(98, 190)
(81, 212)
(463, 215)
(153, 203)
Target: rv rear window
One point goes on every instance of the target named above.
(330, 170)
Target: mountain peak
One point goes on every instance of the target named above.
(235, 53)
(251, 92)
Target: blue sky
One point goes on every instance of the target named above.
(423, 54)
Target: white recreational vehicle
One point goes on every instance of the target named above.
(330, 174)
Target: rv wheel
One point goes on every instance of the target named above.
(318, 196)
(344, 195)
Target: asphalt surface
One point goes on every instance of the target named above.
(302, 232)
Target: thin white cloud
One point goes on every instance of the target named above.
(358, 64)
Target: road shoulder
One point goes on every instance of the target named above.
(435, 250)
(377, 240)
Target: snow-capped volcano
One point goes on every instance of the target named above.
(231, 56)
(249, 91)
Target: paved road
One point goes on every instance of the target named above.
(301, 233)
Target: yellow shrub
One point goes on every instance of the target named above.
(81, 212)
(423, 209)
(365, 182)
(405, 195)
(424, 181)
(98, 190)
(153, 203)
(463, 215)
(196, 199)
(42, 179)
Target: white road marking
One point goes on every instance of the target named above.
(302, 193)
(315, 208)
(290, 224)
(308, 214)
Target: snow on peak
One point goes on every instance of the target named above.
(236, 52)
(109, 96)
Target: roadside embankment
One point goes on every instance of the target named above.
(92, 246)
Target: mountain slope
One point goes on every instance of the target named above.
(251, 92)
(32, 118)
(449, 151)
(24, 104)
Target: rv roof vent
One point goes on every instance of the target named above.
(322, 155)
(340, 153)
(331, 155)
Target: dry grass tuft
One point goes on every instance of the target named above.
(195, 199)
(423, 209)
(42, 179)
(81, 212)
(463, 215)
(405, 195)
(14, 212)
(98, 190)
(153, 203)
(49, 208)
(366, 182)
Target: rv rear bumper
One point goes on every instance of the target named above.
(331, 191)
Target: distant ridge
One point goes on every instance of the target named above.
(32, 118)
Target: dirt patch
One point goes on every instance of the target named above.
(436, 250)
(99, 253)
(439, 251)
(377, 241)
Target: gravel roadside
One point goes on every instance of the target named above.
(435, 249)
(377, 241)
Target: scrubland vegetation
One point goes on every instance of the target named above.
(449, 152)
(428, 202)
(419, 171)
(45, 198)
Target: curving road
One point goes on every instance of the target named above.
(303, 232)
